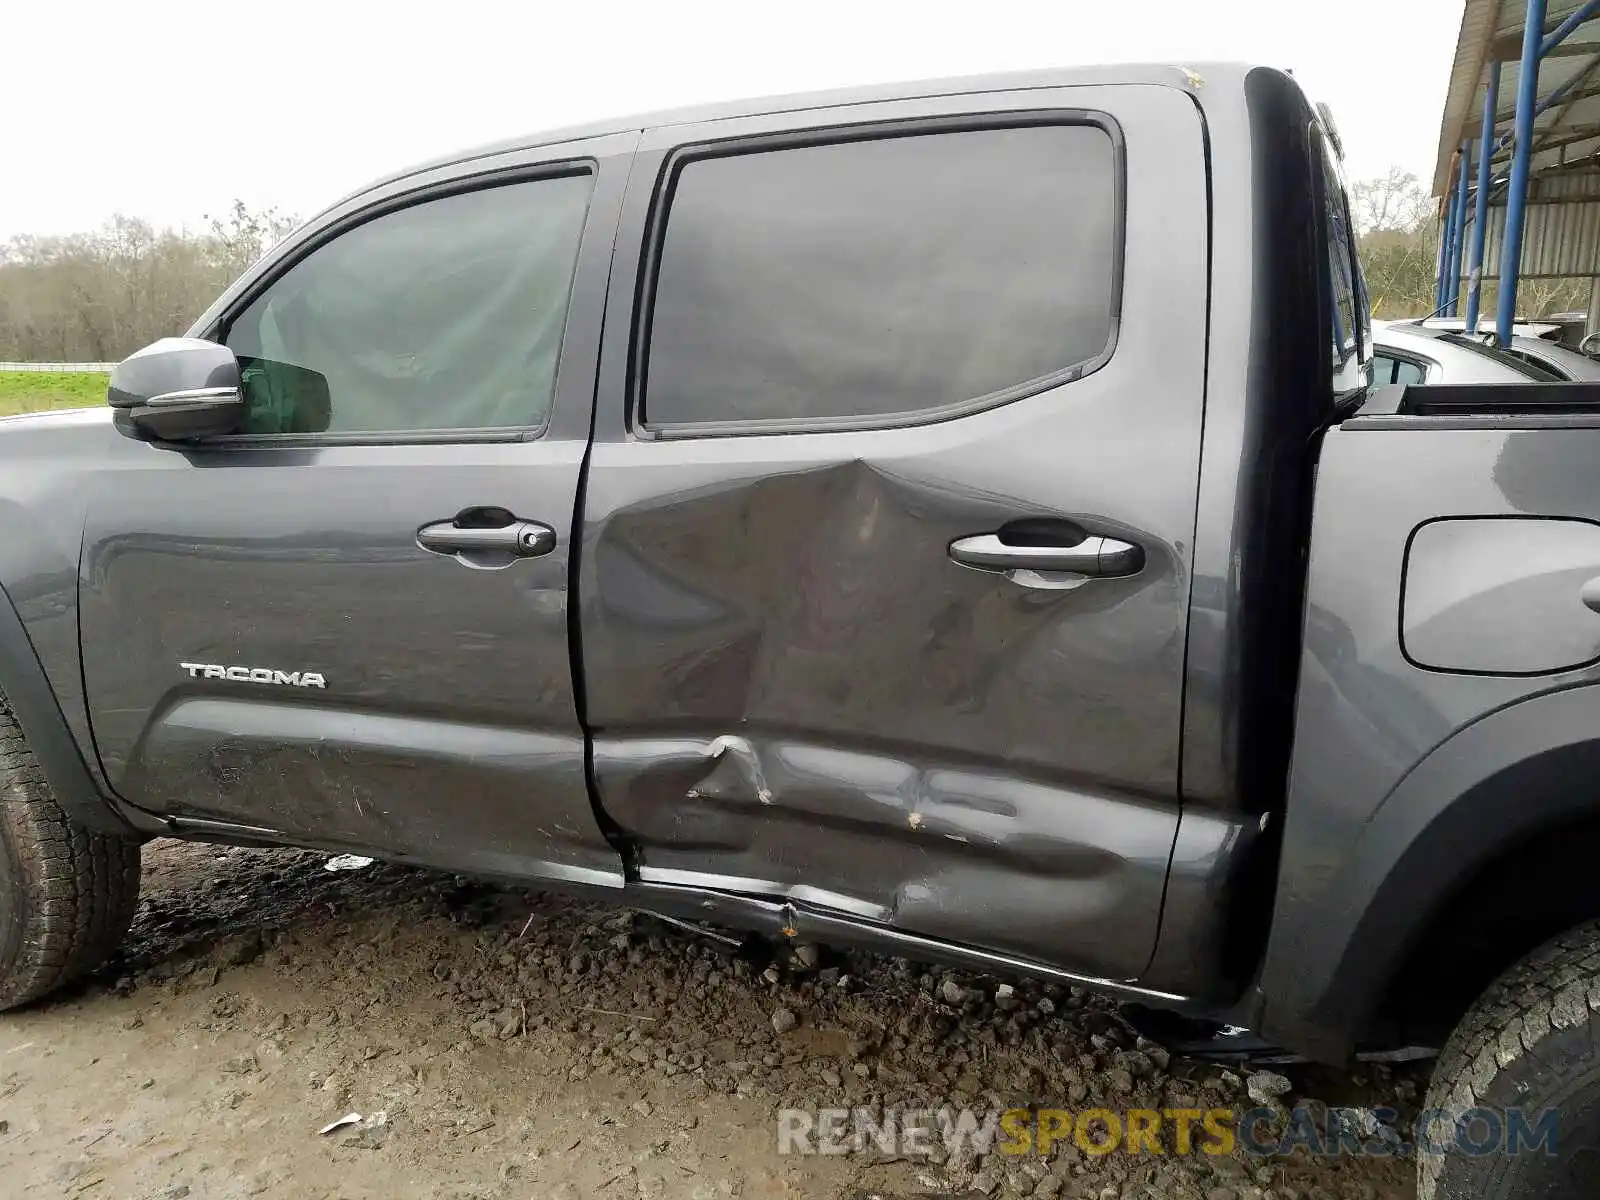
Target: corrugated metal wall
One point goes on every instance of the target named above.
(1558, 239)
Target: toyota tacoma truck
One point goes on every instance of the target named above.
(951, 519)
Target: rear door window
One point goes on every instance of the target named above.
(1387, 370)
(857, 283)
(1408, 372)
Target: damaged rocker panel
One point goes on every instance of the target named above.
(453, 795)
(1018, 867)
(699, 903)
(792, 919)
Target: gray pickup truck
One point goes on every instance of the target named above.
(949, 519)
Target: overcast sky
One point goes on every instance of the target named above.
(169, 111)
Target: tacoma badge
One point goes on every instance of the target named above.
(255, 675)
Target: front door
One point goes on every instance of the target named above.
(889, 514)
(348, 625)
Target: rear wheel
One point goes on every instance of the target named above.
(67, 894)
(1527, 1059)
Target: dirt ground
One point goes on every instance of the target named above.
(501, 1044)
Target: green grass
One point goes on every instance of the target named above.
(40, 391)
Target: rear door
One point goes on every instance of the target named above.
(349, 625)
(889, 513)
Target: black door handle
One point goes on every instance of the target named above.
(522, 539)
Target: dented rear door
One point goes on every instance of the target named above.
(888, 514)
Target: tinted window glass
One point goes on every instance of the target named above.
(1407, 372)
(1386, 370)
(1346, 293)
(444, 315)
(864, 279)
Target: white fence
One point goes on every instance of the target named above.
(101, 368)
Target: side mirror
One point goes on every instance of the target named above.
(177, 388)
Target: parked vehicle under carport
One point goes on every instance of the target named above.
(1406, 352)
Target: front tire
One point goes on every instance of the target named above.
(67, 893)
(1530, 1046)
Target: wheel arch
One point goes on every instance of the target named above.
(25, 690)
(1476, 807)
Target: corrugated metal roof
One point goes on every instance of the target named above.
(1463, 98)
(1561, 234)
(1566, 135)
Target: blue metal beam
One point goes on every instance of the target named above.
(1452, 236)
(1446, 228)
(1452, 297)
(1521, 158)
(1560, 32)
(1480, 213)
(1554, 98)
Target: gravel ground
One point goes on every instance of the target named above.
(501, 1043)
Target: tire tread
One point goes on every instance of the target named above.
(78, 888)
(1549, 992)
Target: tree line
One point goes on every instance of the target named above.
(1397, 226)
(99, 296)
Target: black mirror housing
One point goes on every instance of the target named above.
(177, 389)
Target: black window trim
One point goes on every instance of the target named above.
(1531, 371)
(829, 135)
(388, 205)
(1543, 365)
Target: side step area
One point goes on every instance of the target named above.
(780, 918)
(1213, 1041)
(775, 917)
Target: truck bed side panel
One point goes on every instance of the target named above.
(1406, 778)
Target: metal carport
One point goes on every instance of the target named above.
(1519, 153)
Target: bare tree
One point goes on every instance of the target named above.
(1398, 229)
(1398, 243)
(101, 295)
(1394, 202)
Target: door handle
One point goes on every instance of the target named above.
(524, 539)
(1100, 556)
